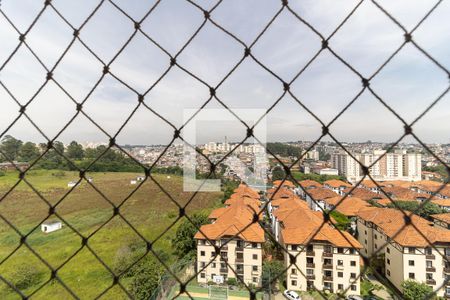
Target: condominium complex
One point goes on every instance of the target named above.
(397, 165)
(325, 258)
(416, 250)
(239, 240)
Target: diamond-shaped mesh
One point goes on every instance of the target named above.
(106, 62)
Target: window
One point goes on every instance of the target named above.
(365, 242)
(202, 275)
(254, 268)
(310, 248)
(202, 264)
(388, 250)
(411, 276)
(310, 260)
(365, 231)
(294, 247)
(429, 264)
(376, 246)
(375, 236)
(411, 250)
(213, 265)
(202, 253)
(254, 245)
(340, 262)
(255, 279)
(212, 276)
(429, 276)
(388, 272)
(428, 251)
(255, 256)
(410, 262)
(340, 250)
(239, 244)
(353, 287)
(340, 274)
(388, 261)
(309, 271)
(213, 253)
(353, 275)
(294, 271)
(340, 287)
(353, 263)
(352, 251)
(294, 282)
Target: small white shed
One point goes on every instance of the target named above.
(140, 178)
(51, 225)
(90, 179)
(72, 184)
(133, 181)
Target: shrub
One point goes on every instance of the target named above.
(26, 276)
(232, 281)
(146, 276)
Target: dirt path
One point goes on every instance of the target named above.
(202, 295)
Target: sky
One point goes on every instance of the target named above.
(408, 83)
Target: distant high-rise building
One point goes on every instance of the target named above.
(397, 165)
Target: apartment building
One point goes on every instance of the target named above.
(407, 250)
(397, 165)
(316, 198)
(239, 240)
(326, 258)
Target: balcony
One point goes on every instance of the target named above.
(310, 265)
(431, 281)
(240, 271)
(327, 278)
(224, 258)
(223, 270)
(239, 260)
(310, 253)
(239, 248)
(224, 247)
(430, 256)
(310, 277)
(447, 270)
(328, 267)
(328, 254)
(431, 269)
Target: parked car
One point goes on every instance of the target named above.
(291, 295)
(354, 297)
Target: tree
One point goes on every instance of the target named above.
(183, 241)
(146, 276)
(427, 210)
(28, 152)
(413, 290)
(10, 146)
(75, 151)
(343, 223)
(26, 276)
(278, 173)
(228, 187)
(271, 272)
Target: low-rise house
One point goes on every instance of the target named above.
(286, 184)
(362, 193)
(349, 206)
(369, 185)
(442, 220)
(402, 193)
(442, 203)
(416, 250)
(71, 184)
(306, 185)
(337, 186)
(51, 225)
(325, 258)
(315, 198)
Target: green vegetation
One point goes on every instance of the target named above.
(440, 169)
(278, 173)
(413, 290)
(272, 272)
(145, 278)
(149, 210)
(367, 288)
(284, 149)
(228, 187)
(427, 210)
(343, 223)
(316, 177)
(183, 242)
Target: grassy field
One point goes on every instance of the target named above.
(149, 210)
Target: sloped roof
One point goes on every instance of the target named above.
(321, 193)
(400, 193)
(392, 223)
(363, 193)
(309, 183)
(350, 206)
(442, 217)
(286, 183)
(302, 226)
(336, 183)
